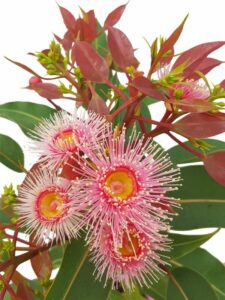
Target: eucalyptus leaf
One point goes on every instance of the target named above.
(179, 155)
(186, 284)
(157, 290)
(209, 267)
(127, 295)
(202, 201)
(184, 244)
(11, 154)
(75, 278)
(25, 114)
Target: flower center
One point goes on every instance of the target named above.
(121, 183)
(65, 140)
(50, 205)
(130, 245)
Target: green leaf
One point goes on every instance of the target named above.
(184, 244)
(56, 254)
(134, 295)
(181, 156)
(100, 44)
(189, 285)
(158, 289)
(209, 267)
(75, 279)
(203, 201)
(25, 114)
(149, 100)
(11, 155)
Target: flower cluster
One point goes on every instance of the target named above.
(110, 184)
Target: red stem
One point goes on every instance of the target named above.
(196, 153)
(117, 90)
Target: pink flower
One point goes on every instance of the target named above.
(44, 207)
(60, 136)
(189, 89)
(133, 258)
(124, 183)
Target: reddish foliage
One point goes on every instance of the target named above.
(167, 46)
(92, 65)
(204, 67)
(195, 56)
(121, 49)
(98, 105)
(215, 166)
(192, 105)
(145, 86)
(24, 292)
(42, 265)
(68, 19)
(114, 16)
(201, 125)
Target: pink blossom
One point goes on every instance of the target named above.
(44, 207)
(133, 258)
(57, 138)
(189, 89)
(124, 183)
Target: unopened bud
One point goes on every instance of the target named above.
(34, 80)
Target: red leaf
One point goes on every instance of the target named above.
(121, 48)
(98, 105)
(195, 56)
(68, 40)
(201, 125)
(168, 45)
(145, 86)
(68, 19)
(192, 105)
(42, 265)
(46, 90)
(215, 166)
(23, 66)
(204, 67)
(24, 292)
(114, 16)
(92, 65)
(85, 31)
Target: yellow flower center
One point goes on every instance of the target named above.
(65, 140)
(50, 205)
(130, 245)
(121, 183)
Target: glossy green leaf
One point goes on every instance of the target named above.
(189, 285)
(25, 114)
(181, 156)
(11, 154)
(149, 100)
(75, 279)
(202, 201)
(184, 244)
(157, 290)
(134, 295)
(56, 254)
(100, 44)
(209, 267)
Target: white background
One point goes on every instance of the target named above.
(27, 26)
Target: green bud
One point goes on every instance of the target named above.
(130, 70)
(178, 93)
(77, 71)
(2, 285)
(9, 195)
(121, 87)
(8, 246)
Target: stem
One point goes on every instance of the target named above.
(188, 148)
(117, 90)
(200, 201)
(173, 279)
(57, 107)
(7, 286)
(166, 125)
(121, 108)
